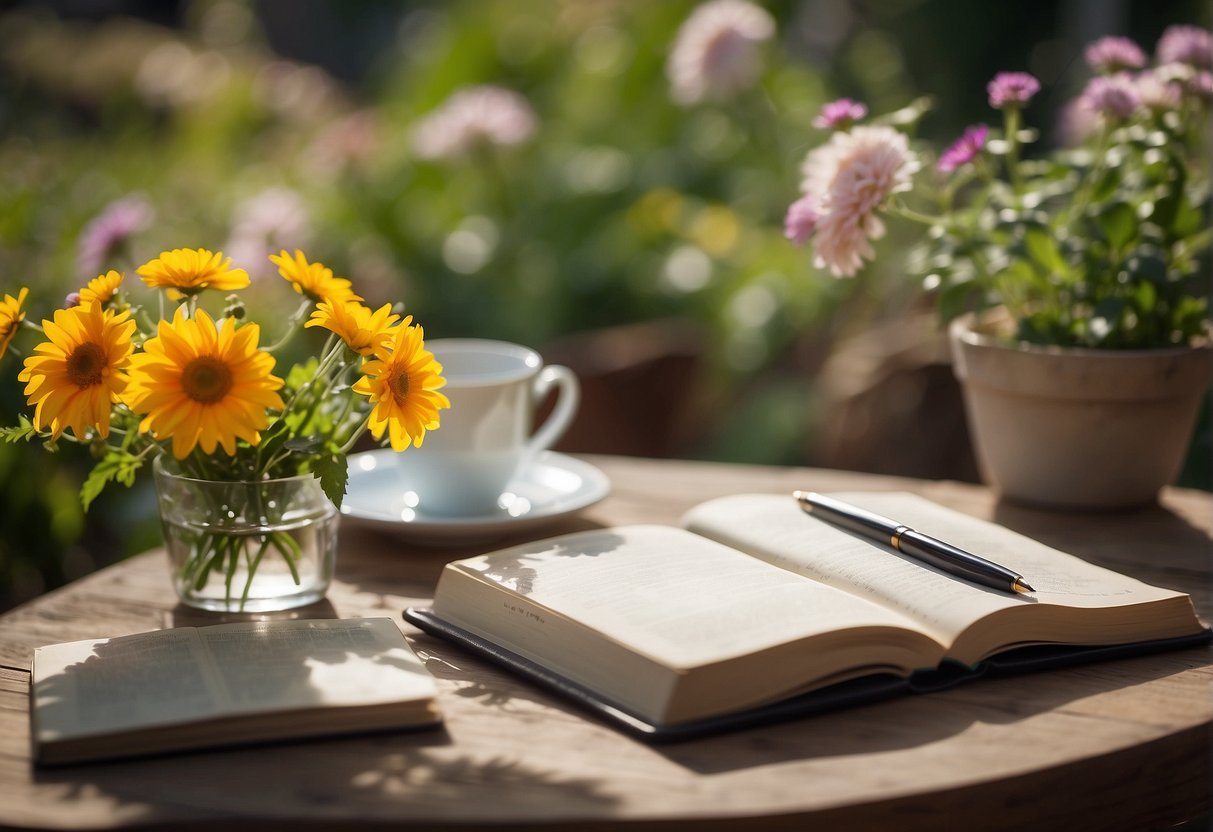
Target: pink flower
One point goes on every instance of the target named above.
(473, 117)
(1201, 85)
(109, 232)
(1156, 92)
(964, 149)
(1076, 123)
(266, 223)
(1114, 54)
(801, 220)
(852, 176)
(716, 51)
(1112, 96)
(1186, 45)
(1012, 89)
(840, 114)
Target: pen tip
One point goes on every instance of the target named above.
(1021, 585)
(799, 495)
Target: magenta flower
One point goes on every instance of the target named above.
(108, 232)
(1012, 89)
(1112, 96)
(801, 220)
(964, 149)
(840, 114)
(1186, 45)
(1113, 54)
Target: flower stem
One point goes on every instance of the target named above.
(292, 327)
(1011, 128)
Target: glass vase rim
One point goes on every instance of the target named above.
(159, 469)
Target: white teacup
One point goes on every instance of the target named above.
(463, 467)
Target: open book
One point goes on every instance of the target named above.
(757, 610)
(227, 683)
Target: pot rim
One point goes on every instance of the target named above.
(964, 330)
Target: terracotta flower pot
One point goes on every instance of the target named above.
(1078, 428)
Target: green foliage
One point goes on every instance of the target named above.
(116, 466)
(333, 474)
(23, 432)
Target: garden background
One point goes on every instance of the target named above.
(635, 238)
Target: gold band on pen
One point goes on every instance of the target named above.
(895, 540)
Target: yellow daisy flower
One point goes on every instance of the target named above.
(74, 378)
(402, 382)
(101, 289)
(202, 385)
(358, 326)
(190, 271)
(313, 279)
(11, 316)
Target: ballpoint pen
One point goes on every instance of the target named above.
(917, 545)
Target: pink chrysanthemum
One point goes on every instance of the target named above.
(1112, 96)
(840, 114)
(1113, 54)
(964, 149)
(109, 231)
(716, 52)
(1156, 92)
(1012, 89)
(851, 177)
(801, 220)
(1190, 45)
(473, 117)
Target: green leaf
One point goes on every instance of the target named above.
(301, 374)
(115, 466)
(25, 430)
(1118, 224)
(304, 444)
(1145, 297)
(1042, 248)
(1148, 267)
(333, 473)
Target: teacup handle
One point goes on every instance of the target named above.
(567, 399)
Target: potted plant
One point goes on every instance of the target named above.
(1076, 283)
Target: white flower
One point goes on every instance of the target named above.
(716, 51)
(852, 176)
(474, 116)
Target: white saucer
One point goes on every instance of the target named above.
(551, 487)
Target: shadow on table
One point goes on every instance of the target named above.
(1153, 544)
(376, 561)
(917, 720)
(906, 722)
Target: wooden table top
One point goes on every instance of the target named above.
(1117, 745)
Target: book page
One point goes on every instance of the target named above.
(775, 529)
(279, 665)
(675, 597)
(92, 687)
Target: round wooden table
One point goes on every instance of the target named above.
(1118, 745)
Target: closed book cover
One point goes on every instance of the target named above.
(183, 688)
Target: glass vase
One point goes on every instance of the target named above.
(247, 546)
